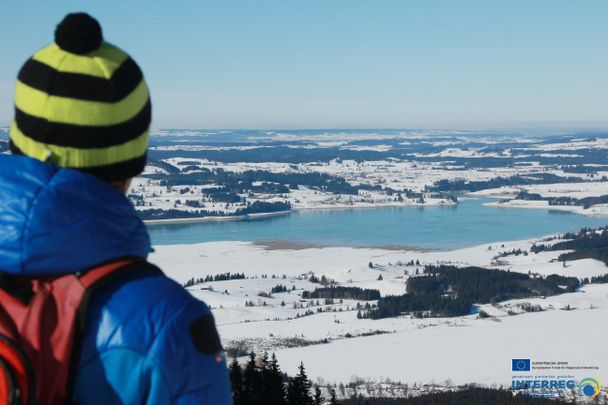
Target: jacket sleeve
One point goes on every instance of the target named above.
(184, 364)
(189, 354)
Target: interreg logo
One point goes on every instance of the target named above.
(543, 385)
(520, 364)
(589, 387)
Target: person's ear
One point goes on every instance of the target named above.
(122, 185)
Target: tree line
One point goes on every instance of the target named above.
(240, 182)
(517, 180)
(468, 396)
(585, 202)
(586, 244)
(596, 279)
(354, 293)
(218, 277)
(257, 207)
(262, 381)
(446, 291)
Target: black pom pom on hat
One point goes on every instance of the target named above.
(78, 33)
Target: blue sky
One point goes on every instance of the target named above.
(346, 64)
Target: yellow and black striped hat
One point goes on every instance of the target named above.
(83, 103)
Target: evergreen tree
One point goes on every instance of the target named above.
(236, 379)
(318, 399)
(306, 383)
(332, 399)
(298, 389)
(293, 391)
(263, 374)
(252, 389)
(275, 389)
(271, 381)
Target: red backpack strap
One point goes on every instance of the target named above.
(16, 375)
(92, 276)
(42, 322)
(100, 276)
(92, 281)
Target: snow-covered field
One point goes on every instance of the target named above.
(337, 347)
(395, 160)
(572, 190)
(470, 351)
(398, 175)
(597, 209)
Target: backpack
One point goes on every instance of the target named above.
(42, 321)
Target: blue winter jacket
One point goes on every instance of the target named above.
(147, 340)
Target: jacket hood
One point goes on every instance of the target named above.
(58, 221)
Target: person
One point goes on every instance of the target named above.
(80, 134)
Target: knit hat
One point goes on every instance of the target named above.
(83, 103)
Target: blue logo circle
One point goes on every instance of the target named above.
(588, 390)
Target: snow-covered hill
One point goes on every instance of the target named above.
(336, 346)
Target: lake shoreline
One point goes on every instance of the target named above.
(284, 244)
(601, 212)
(196, 220)
(279, 213)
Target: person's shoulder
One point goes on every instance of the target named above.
(133, 312)
(150, 287)
(151, 325)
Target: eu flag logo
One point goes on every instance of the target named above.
(520, 364)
